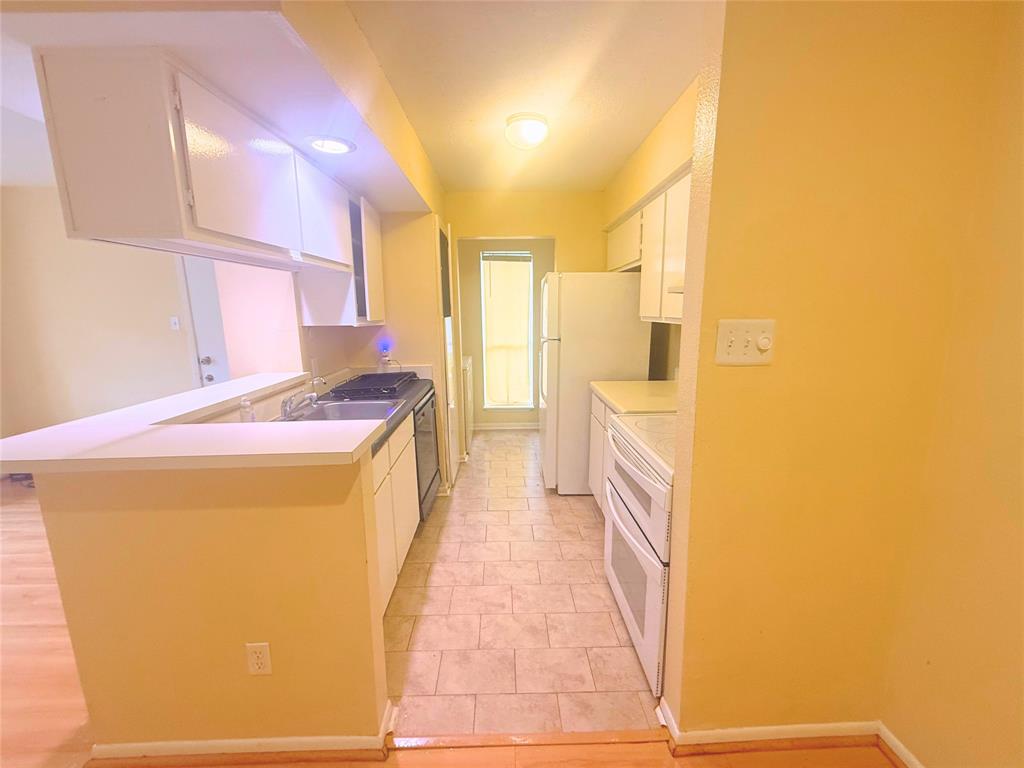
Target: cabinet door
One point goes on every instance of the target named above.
(652, 251)
(406, 501)
(596, 474)
(373, 263)
(383, 506)
(241, 175)
(677, 217)
(326, 298)
(624, 244)
(323, 213)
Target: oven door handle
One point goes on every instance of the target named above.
(642, 548)
(651, 484)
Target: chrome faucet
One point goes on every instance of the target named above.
(289, 404)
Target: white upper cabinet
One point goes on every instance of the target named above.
(147, 155)
(372, 264)
(624, 244)
(241, 175)
(652, 242)
(677, 217)
(348, 298)
(663, 253)
(324, 214)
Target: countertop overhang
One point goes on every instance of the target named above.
(638, 396)
(158, 435)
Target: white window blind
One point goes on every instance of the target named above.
(506, 298)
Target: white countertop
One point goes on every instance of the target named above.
(158, 435)
(638, 396)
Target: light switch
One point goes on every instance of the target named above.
(745, 342)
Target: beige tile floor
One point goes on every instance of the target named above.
(502, 620)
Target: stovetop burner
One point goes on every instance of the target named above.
(371, 386)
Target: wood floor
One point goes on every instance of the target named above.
(44, 724)
(44, 720)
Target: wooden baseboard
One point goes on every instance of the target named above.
(890, 755)
(241, 759)
(775, 745)
(530, 739)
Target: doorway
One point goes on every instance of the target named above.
(244, 319)
(489, 265)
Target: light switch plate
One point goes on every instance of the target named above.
(745, 342)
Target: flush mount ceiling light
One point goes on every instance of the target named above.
(331, 145)
(525, 130)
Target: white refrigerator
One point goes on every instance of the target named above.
(591, 331)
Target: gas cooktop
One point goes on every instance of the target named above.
(371, 386)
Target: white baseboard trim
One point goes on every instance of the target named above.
(665, 716)
(242, 746)
(898, 747)
(495, 427)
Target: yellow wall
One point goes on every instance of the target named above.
(667, 148)
(165, 576)
(573, 219)
(854, 527)
(332, 33)
(86, 326)
(472, 341)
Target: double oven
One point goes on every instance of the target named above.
(638, 505)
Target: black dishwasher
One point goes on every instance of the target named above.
(404, 385)
(428, 473)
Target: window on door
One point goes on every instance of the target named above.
(506, 298)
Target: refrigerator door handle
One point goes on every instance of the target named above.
(543, 371)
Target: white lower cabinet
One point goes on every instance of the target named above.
(406, 500)
(383, 504)
(596, 472)
(396, 504)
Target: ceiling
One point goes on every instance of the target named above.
(254, 56)
(602, 72)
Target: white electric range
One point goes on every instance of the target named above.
(639, 467)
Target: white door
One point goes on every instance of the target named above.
(373, 262)
(638, 581)
(449, 271)
(677, 216)
(596, 472)
(325, 219)
(387, 562)
(241, 175)
(624, 244)
(652, 241)
(207, 323)
(548, 407)
(406, 501)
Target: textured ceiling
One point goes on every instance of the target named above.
(602, 72)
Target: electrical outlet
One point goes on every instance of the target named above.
(258, 658)
(745, 342)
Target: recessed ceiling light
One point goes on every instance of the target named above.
(525, 130)
(331, 145)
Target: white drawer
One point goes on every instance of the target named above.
(381, 465)
(399, 438)
(599, 409)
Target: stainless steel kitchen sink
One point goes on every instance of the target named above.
(339, 410)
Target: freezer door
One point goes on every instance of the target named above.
(548, 407)
(549, 286)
